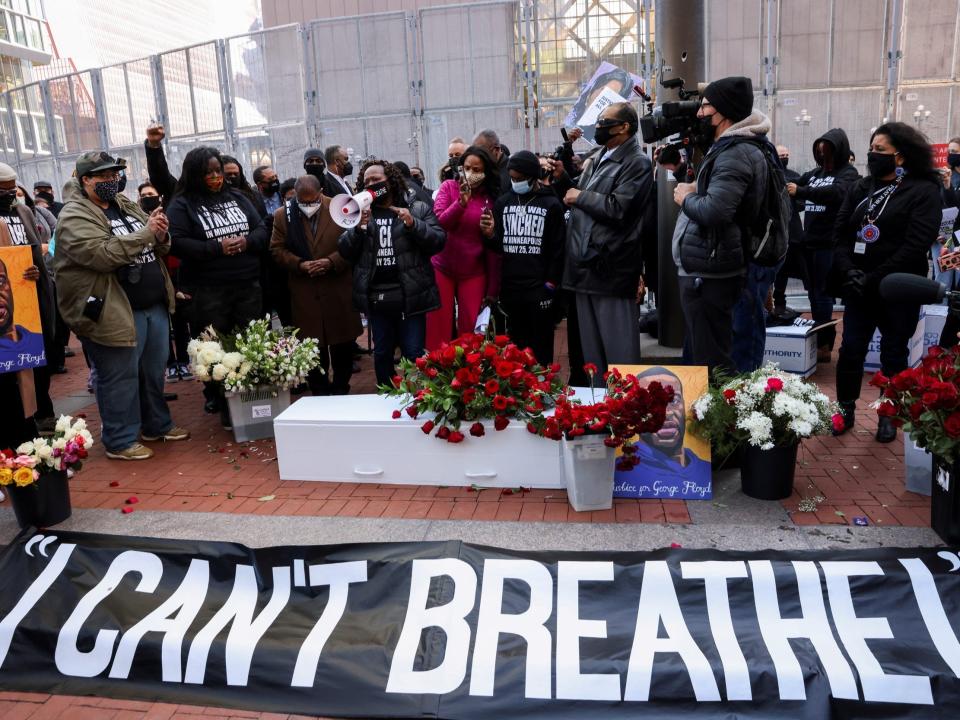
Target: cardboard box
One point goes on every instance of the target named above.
(915, 348)
(794, 347)
(933, 318)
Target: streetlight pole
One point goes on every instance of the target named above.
(803, 120)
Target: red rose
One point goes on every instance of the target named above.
(879, 379)
(935, 351)
(504, 369)
(886, 409)
(491, 387)
(456, 384)
(729, 395)
(500, 403)
(396, 414)
(774, 384)
(473, 358)
(501, 340)
(397, 380)
(432, 372)
(477, 429)
(500, 422)
(455, 437)
(468, 395)
(412, 411)
(929, 399)
(904, 380)
(82, 454)
(421, 363)
(427, 427)
(838, 423)
(590, 369)
(443, 433)
(952, 425)
(916, 410)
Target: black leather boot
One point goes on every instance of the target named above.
(886, 430)
(848, 410)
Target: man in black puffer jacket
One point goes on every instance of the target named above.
(715, 214)
(603, 254)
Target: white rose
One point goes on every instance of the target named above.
(45, 452)
(87, 438)
(232, 361)
(25, 449)
(63, 424)
(80, 425)
(219, 372)
(202, 373)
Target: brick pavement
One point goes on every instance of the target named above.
(855, 476)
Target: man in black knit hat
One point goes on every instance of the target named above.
(716, 212)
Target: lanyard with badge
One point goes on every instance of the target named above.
(869, 233)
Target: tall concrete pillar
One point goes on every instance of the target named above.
(681, 52)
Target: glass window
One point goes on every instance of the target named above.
(19, 34)
(4, 22)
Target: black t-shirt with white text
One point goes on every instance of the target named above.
(223, 219)
(142, 279)
(385, 266)
(18, 233)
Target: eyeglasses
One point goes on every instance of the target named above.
(608, 123)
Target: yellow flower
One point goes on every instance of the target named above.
(23, 476)
(6, 476)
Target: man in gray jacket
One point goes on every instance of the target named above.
(716, 213)
(603, 254)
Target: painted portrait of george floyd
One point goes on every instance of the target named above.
(674, 464)
(21, 337)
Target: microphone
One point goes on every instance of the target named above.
(904, 287)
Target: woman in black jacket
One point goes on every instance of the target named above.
(886, 224)
(393, 281)
(219, 238)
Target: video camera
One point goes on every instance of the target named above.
(673, 118)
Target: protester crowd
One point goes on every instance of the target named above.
(533, 237)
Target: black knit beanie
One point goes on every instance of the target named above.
(731, 96)
(525, 163)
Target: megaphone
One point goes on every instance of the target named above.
(347, 209)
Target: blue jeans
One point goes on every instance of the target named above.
(390, 330)
(750, 319)
(818, 264)
(130, 381)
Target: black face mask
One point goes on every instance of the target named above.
(315, 170)
(123, 182)
(953, 160)
(273, 188)
(149, 203)
(379, 189)
(233, 182)
(7, 199)
(348, 169)
(602, 135)
(784, 161)
(706, 132)
(881, 165)
(45, 196)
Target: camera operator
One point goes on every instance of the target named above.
(715, 213)
(603, 258)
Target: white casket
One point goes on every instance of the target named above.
(353, 438)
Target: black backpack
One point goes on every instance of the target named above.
(766, 239)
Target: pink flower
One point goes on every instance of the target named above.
(25, 461)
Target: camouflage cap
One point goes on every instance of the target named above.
(96, 161)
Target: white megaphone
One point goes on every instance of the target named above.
(347, 209)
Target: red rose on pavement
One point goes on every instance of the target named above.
(838, 422)
(500, 422)
(477, 429)
(427, 427)
(396, 414)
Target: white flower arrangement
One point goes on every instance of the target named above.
(258, 356)
(64, 451)
(765, 408)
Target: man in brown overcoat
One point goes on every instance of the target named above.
(305, 244)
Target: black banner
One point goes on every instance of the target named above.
(452, 630)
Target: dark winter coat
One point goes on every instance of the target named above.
(708, 240)
(413, 247)
(824, 190)
(908, 227)
(321, 305)
(603, 253)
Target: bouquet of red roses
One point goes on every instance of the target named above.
(925, 401)
(628, 410)
(475, 377)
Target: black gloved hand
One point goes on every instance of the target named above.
(855, 283)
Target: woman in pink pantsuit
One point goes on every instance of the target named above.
(465, 270)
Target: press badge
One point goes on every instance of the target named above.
(860, 247)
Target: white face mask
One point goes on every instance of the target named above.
(310, 209)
